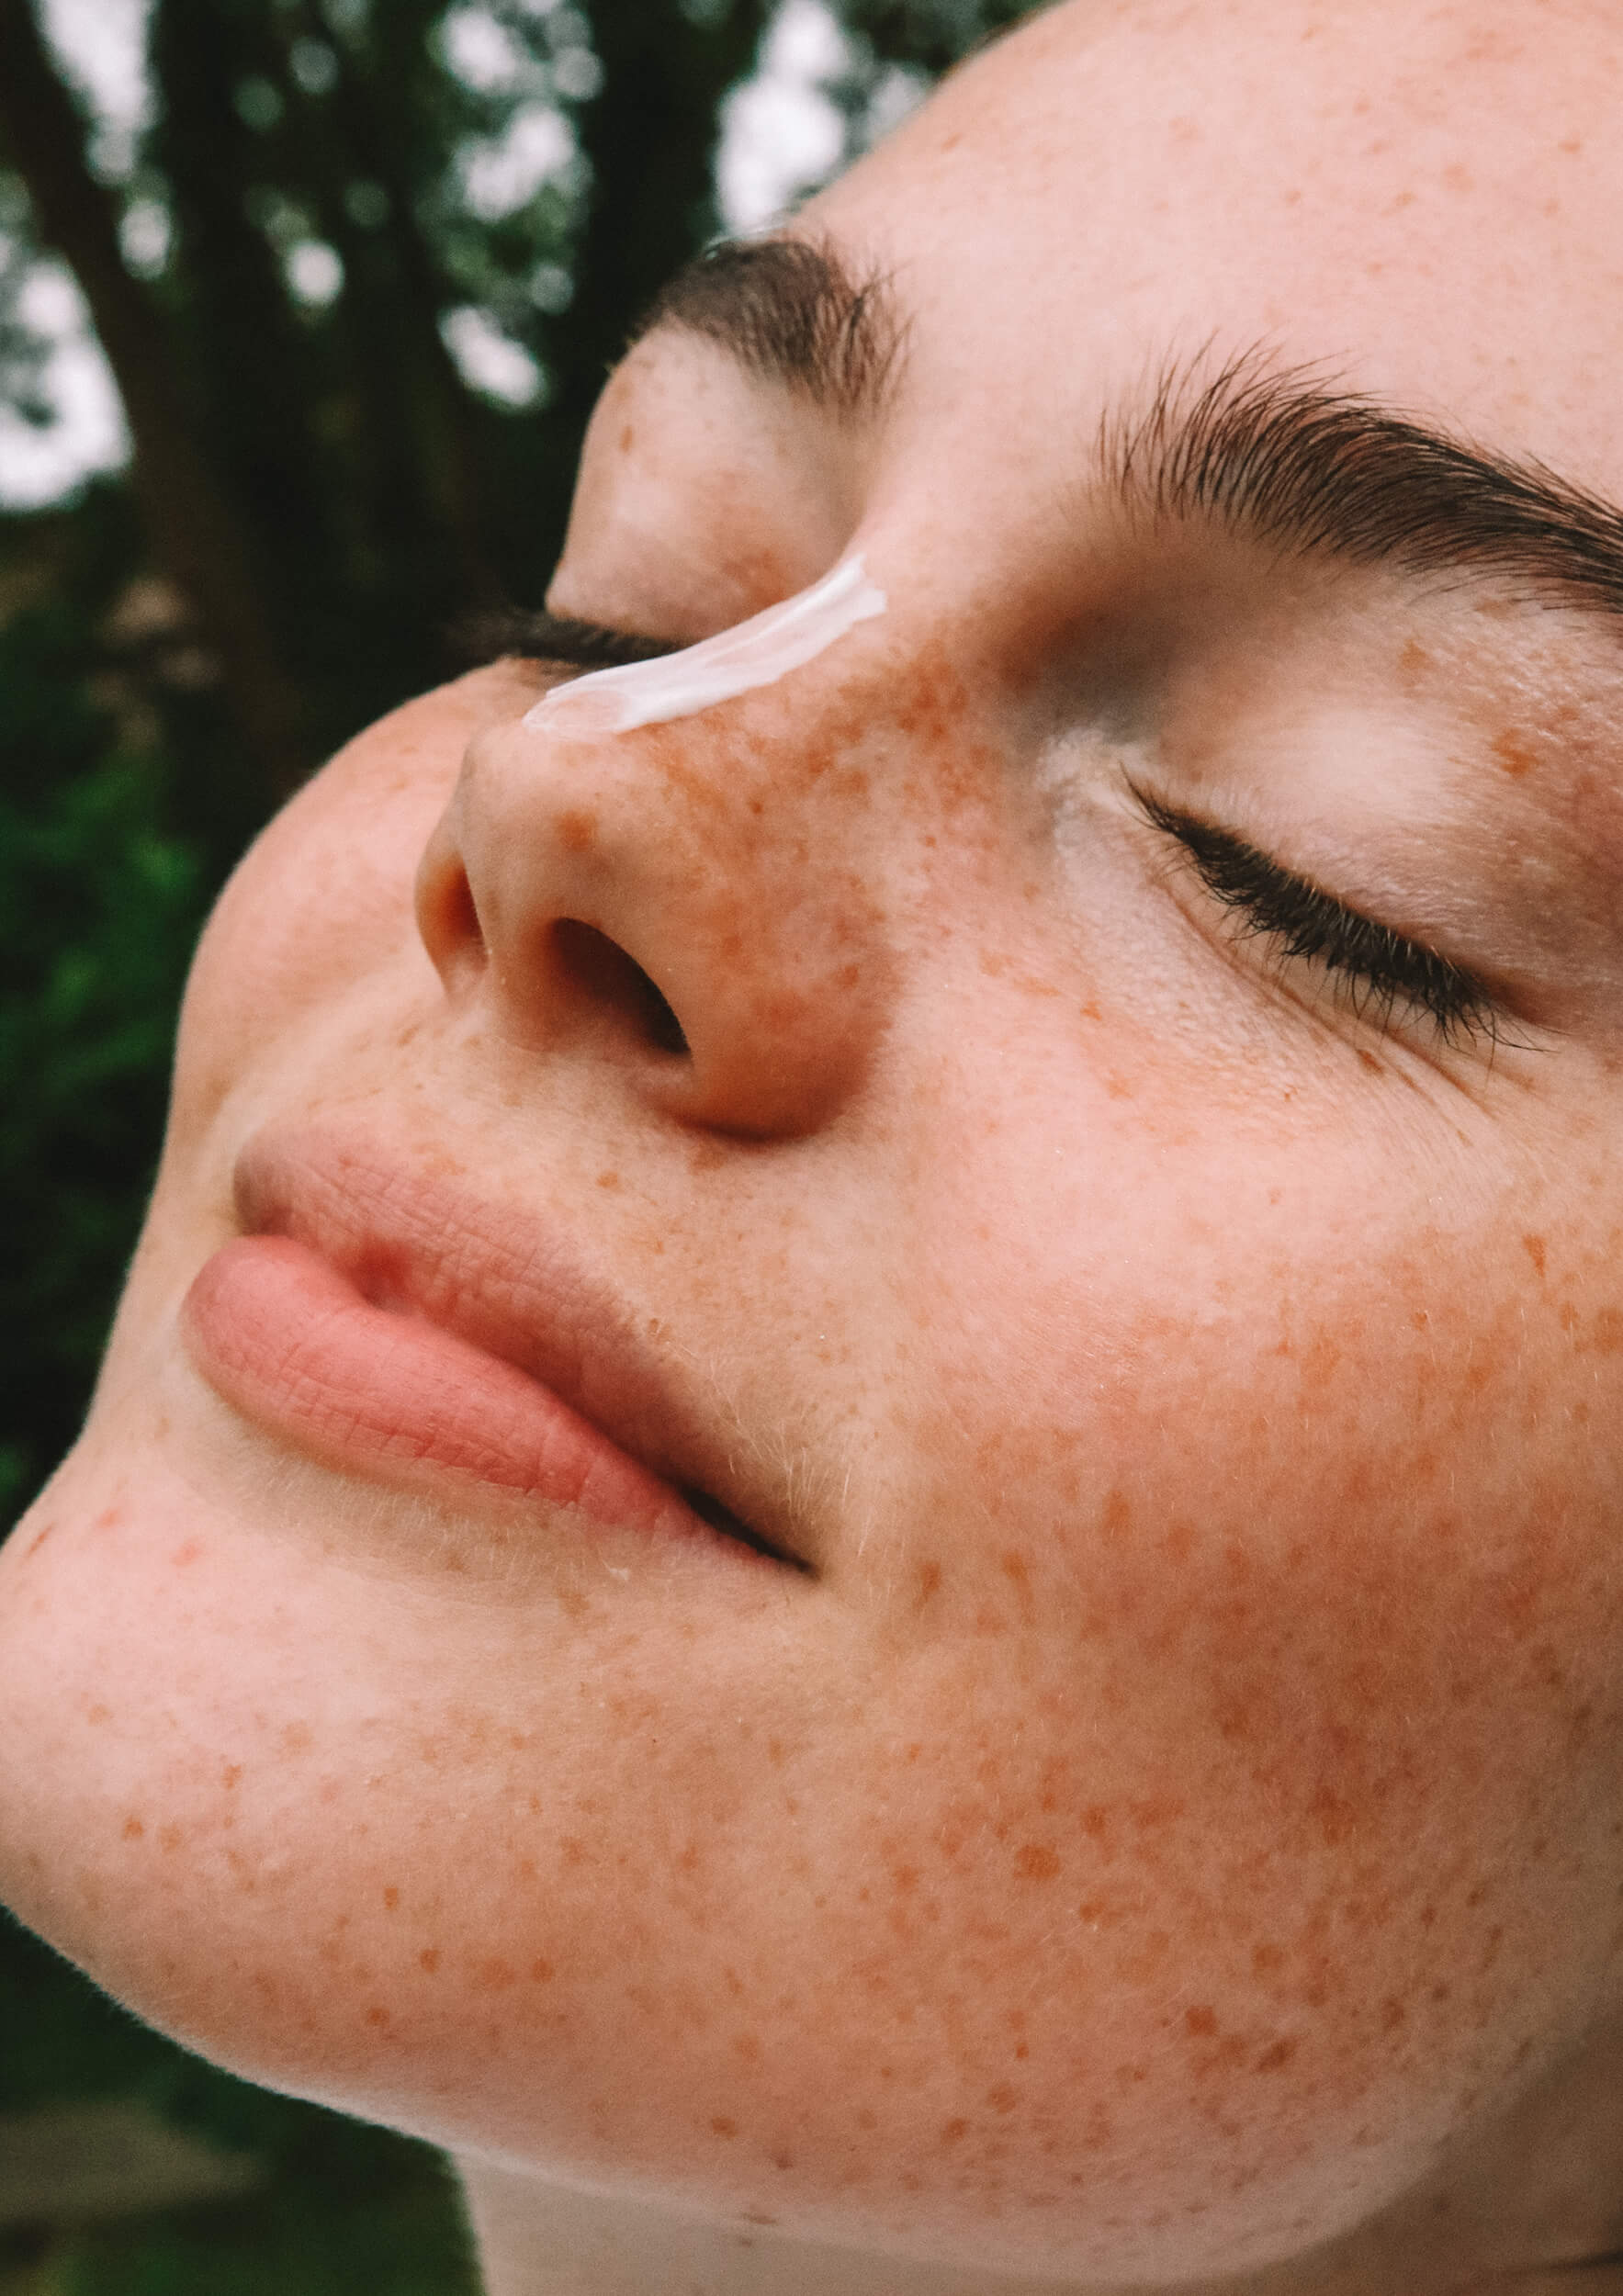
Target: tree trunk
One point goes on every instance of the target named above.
(193, 530)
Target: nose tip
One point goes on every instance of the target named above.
(642, 898)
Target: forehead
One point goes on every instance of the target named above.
(1419, 202)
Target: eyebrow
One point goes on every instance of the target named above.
(1270, 453)
(791, 313)
(1322, 473)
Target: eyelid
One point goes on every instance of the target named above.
(1380, 969)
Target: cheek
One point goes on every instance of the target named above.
(1284, 1524)
(324, 899)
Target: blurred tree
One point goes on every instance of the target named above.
(359, 283)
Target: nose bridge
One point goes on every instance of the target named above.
(729, 854)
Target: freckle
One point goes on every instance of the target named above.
(1265, 1958)
(133, 1829)
(1415, 659)
(576, 830)
(1534, 1247)
(953, 2130)
(1570, 144)
(1606, 1337)
(39, 1540)
(391, 1897)
(169, 1837)
(541, 1971)
(1116, 1516)
(428, 1958)
(783, 2160)
(186, 1554)
(1513, 754)
(929, 1579)
(1037, 1862)
(97, 1714)
(747, 2046)
(297, 1738)
(108, 1522)
(723, 2126)
(1003, 2098)
(1118, 1088)
(377, 2015)
(608, 1179)
(628, 438)
(1200, 2021)
(1273, 2058)
(494, 1974)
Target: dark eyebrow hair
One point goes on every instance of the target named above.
(1325, 473)
(791, 313)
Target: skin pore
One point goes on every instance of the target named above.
(1071, 1143)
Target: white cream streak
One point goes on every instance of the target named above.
(754, 653)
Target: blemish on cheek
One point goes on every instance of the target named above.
(134, 1828)
(391, 1898)
(1200, 2021)
(755, 653)
(576, 830)
(429, 1959)
(1533, 1246)
(1274, 2058)
(1037, 1861)
(1513, 754)
(722, 2126)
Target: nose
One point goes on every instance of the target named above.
(694, 900)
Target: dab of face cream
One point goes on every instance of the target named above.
(754, 653)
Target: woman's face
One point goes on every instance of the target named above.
(1167, 1328)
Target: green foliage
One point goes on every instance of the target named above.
(99, 903)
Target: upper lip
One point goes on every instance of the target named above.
(513, 1285)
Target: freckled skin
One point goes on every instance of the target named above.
(1175, 1836)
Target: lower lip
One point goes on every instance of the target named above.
(285, 1338)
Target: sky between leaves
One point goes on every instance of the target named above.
(780, 135)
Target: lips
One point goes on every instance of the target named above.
(389, 1325)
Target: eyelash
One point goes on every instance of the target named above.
(555, 637)
(1384, 972)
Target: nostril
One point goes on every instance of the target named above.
(601, 969)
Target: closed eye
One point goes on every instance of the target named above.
(1381, 974)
